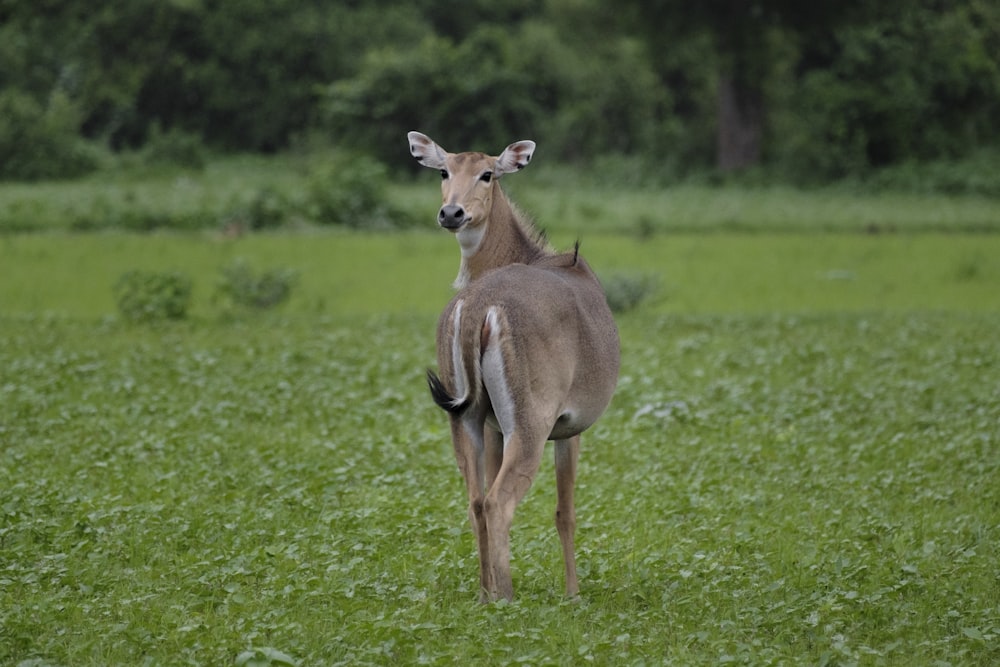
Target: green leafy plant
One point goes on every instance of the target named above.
(265, 657)
(174, 147)
(242, 286)
(351, 189)
(268, 208)
(40, 142)
(625, 291)
(147, 296)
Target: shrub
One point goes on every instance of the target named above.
(350, 189)
(104, 212)
(39, 142)
(268, 209)
(147, 296)
(243, 287)
(175, 148)
(976, 174)
(625, 291)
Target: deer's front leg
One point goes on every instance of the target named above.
(467, 437)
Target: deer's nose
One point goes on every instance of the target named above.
(451, 216)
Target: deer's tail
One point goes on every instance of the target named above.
(465, 344)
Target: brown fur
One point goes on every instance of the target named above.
(535, 353)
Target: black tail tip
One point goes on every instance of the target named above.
(441, 396)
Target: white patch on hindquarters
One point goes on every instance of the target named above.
(495, 376)
(458, 368)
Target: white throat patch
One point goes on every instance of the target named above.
(469, 240)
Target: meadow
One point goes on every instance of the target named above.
(799, 466)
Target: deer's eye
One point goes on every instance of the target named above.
(486, 177)
(444, 174)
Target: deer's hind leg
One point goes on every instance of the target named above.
(467, 437)
(521, 458)
(567, 453)
(494, 455)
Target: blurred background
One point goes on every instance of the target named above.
(220, 270)
(899, 93)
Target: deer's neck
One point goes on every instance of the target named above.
(501, 240)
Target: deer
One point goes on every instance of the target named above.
(527, 352)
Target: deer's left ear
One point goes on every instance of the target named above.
(426, 151)
(515, 157)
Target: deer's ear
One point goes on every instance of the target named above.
(426, 151)
(515, 157)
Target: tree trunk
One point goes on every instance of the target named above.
(741, 121)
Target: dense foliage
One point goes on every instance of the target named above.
(811, 92)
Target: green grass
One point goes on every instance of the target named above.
(361, 273)
(799, 466)
(764, 489)
(136, 199)
(697, 208)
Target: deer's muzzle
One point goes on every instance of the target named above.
(451, 216)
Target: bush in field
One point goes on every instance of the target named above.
(39, 142)
(976, 174)
(269, 208)
(625, 291)
(148, 296)
(105, 212)
(174, 148)
(350, 190)
(244, 287)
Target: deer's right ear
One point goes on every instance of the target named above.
(426, 151)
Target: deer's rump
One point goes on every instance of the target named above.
(525, 336)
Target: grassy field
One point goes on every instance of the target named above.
(361, 273)
(800, 464)
(561, 200)
(764, 489)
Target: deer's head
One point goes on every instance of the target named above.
(468, 180)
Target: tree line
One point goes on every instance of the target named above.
(808, 91)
